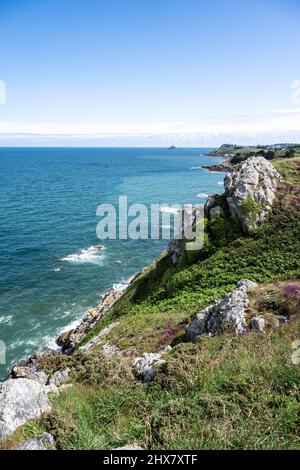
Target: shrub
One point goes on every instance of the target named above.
(249, 206)
(291, 290)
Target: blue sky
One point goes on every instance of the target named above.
(149, 72)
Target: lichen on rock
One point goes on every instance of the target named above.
(21, 400)
(250, 191)
(145, 366)
(222, 314)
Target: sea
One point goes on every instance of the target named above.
(53, 267)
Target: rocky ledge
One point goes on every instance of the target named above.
(222, 314)
(20, 401)
(224, 167)
(69, 340)
(230, 313)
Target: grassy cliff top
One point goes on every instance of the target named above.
(223, 392)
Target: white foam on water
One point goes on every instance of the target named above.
(202, 195)
(220, 183)
(196, 168)
(50, 341)
(16, 344)
(6, 319)
(120, 286)
(93, 254)
(170, 210)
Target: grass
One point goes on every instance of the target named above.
(165, 295)
(224, 392)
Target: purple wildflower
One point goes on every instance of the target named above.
(291, 290)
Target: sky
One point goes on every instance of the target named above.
(149, 72)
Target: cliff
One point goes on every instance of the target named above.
(249, 192)
(209, 337)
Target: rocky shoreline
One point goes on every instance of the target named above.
(25, 395)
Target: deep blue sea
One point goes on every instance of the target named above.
(51, 267)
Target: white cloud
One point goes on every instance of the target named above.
(286, 111)
(278, 125)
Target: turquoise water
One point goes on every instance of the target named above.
(51, 269)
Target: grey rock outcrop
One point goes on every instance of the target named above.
(110, 350)
(215, 212)
(21, 400)
(250, 191)
(230, 311)
(43, 442)
(190, 216)
(60, 377)
(29, 372)
(145, 366)
(212, 207)
(94, 341)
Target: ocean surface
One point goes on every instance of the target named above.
(52, 265)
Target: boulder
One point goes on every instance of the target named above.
(145, 366)
(250, 191)
(258, 323)
(21, 400)
(43, 442)
(228, 312)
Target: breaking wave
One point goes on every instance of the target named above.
(94, 255)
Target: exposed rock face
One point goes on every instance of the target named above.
(68, 341)
(250, 191)
(189, 218)
(99, 336)
(110, 350)
(145, 366)
(224, 167)
(60, 377)
(258, 323)
(29, 372)
(211, 207)
(215, 212)
(231, 311)
(43, 442)
(21, 400)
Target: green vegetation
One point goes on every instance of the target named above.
(249, 206)
(223, 392)
(220, 393)
(270, 153)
